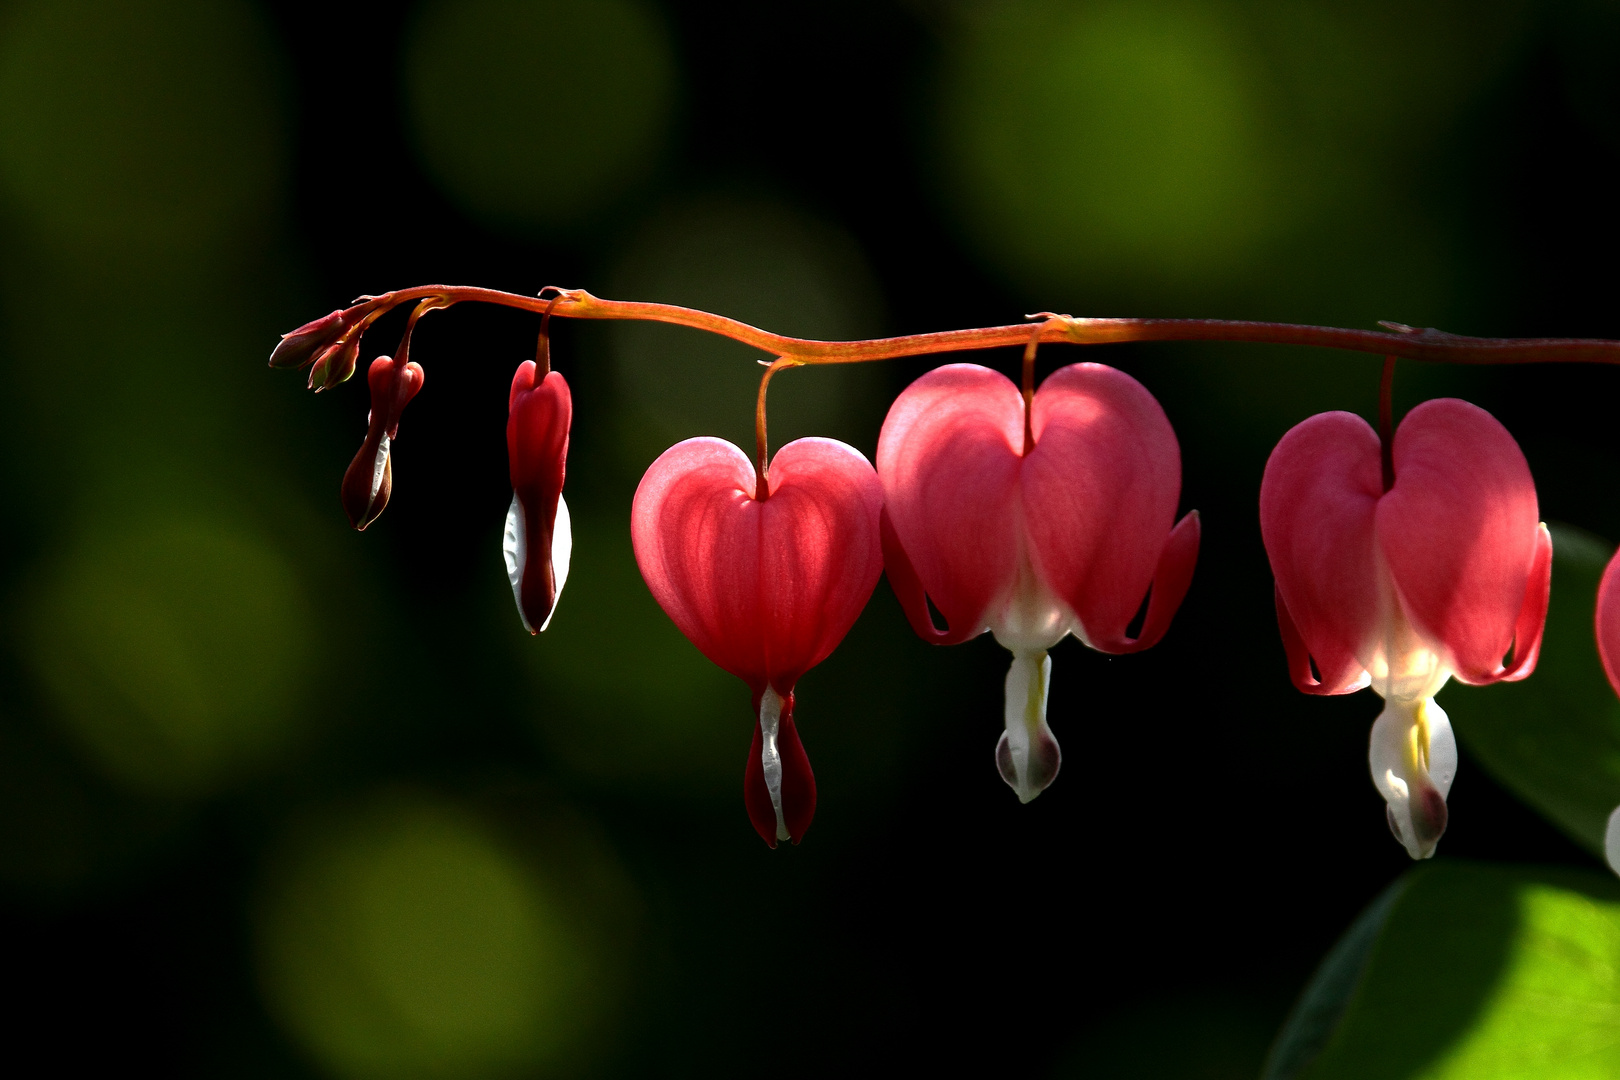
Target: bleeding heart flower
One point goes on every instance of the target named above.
(369, 479)
(1441, 574)
(765, 588)
(538, 539)
(1033, 532)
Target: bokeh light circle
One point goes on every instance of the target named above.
(152, 123)
(538, 114)
(175, 651)
(1089, 141)
(405, 938)
(766, 264)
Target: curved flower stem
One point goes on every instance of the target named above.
(1397, 340)
(1386, 422)
(762, 483)
(1028, 387)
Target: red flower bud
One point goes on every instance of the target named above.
(335, 364)
(538, 538)
(304, 344)
(370, 476)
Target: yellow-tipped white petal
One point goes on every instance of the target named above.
(1027, 755)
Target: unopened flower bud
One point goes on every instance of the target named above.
(307, 343)
(539, 537)
(334, 365)
(370, 477)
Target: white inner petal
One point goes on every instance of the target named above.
(562, 548)
(1611, 841)
(515, 547)
(1413, 757)
(1027, 755)
(379, 466)
(770, 720)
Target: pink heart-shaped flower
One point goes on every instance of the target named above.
(764, 588)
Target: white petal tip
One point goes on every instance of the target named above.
(1611, 841)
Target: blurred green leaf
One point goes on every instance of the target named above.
(1195, 1037)
(1467, 972)
(1554, 739)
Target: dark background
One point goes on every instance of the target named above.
(251, 763)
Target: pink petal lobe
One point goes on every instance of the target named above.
(1608, 621)
(822, 555)
(1171, 580)
(767, 589)
(1533, 615)
(949, 458)
(1458, 532)
(1099, 497)
(1318, 502)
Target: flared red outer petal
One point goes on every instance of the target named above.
(1457, 536)
(1090, 506)
(1608, 627)
(1318, 501)
(779, 789)
(765, 589)
(1459, 533)
(540, 413)
(1099, 492)
(949, 456)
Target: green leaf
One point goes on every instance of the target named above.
(1554, 739)
(1467, 971)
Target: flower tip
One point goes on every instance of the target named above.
(367, 483)
(303, 345)
(1027, 755)
(779, 789)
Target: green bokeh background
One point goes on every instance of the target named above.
(282, 800)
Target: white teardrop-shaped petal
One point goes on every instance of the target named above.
(1611, 841)
(1027, 756)
(379, 466)
(770, 756)
(562, 548)
(1442, 748)
(1413, 757)
(515, 547)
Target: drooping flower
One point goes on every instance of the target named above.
(1442, 574)
(369, 480)
(765, 588)
(538, 539)
(1033, 527)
